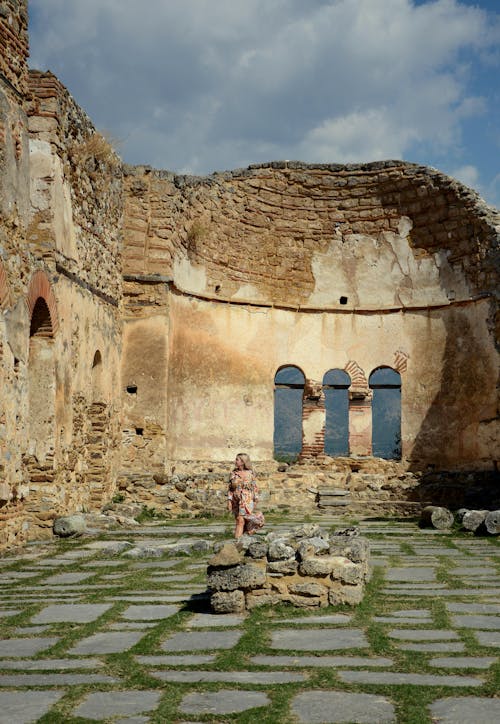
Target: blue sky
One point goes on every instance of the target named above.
(197, 86)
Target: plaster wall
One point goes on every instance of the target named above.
(223, 359)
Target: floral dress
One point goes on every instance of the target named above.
(243, 500)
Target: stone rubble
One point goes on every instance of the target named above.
(305, 567)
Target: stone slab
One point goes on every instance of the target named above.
(340, 707)
(334, 619)
(176, 660)
(23, 707)
(406, 634)
(103, 564)
(473, 571)
(318, 639)
(107, 642)
(156, 564)
(401, 619)
(465, 709)
(64, 579)
(73, 612)
(224, 701)
(473, 607)
(389, 677)
(488, 638)
(6, 612)
(235, 677)
(463, 662)
(422, 613)
(50, 664)
(149, 613)
(205, 620)
(201, 640)
(18, 647)
(476, 621)
(131, 625)
(441, 647)
(100, 705)
(330, 662)
(412, 573)
(46, 679)
(437, 593)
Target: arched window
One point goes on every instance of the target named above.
(335, 386)
(41, 323)
(386, 413)
(288, 394)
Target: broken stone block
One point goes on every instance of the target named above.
(227, 556)
(308, 589)
(69, 525)
(243, 576)
(280, 551)
(228, 601)
(352, 595)
(284, 567)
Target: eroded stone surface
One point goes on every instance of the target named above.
(465, 709)
(224, 701)
(340, 707)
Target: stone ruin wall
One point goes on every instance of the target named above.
(218, 282)
(60, 244)
(262, 257)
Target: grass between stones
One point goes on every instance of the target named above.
(411, 701)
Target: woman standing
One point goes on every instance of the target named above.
(242, 496)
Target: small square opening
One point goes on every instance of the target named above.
(139, 431)
(132, 389)
(343, 300)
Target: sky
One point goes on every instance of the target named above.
(197, 86)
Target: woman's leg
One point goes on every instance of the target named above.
(238, 529)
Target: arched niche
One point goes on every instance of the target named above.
(386, 413)
(336, 384)
(289, 384)
(96, 378)
(41, 383)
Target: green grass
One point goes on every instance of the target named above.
(411, 702)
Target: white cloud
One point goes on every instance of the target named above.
(211, 84)
(468, 175)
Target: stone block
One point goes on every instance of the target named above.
(69, 525)
(228, 601)
(246, 576)
(350, 594)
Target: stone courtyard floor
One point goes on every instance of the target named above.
(105, 629)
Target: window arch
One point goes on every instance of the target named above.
(288, 395)
(386, 413)
(335, 386)
(41, 323)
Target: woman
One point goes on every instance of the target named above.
(242, 496)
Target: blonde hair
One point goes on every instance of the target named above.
(245, 459)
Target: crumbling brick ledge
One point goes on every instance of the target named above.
(305, 567)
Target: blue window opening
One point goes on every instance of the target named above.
(386, 413)
(288, 397)
(335, 385)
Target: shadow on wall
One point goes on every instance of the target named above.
(449, 436)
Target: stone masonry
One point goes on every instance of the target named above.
(144, 316)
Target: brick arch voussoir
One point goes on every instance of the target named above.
(5, 297)
(40, 287)
(358, 377)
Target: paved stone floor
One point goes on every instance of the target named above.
(116, 629)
